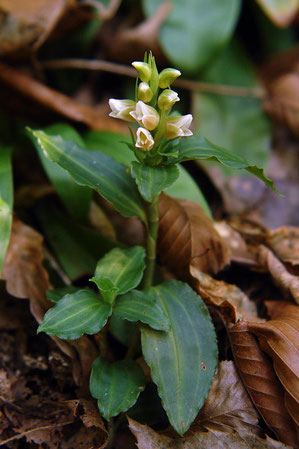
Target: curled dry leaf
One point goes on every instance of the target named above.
(281, 13)
(279, 337)
(27, 278)
(263, 386)
(95, 118)
(285, 280)
(283, 101)
(227, 298)
(147, 438)
(187, 237)
(284, 242)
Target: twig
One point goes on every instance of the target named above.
(120, 69)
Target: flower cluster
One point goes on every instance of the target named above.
(152, 108)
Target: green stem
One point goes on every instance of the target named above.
(151, 242)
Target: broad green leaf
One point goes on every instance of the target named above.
(195, 30)
(119, 271)
(6, 201)
(141, 306)
(122, 330)
(82, 312)
(76, 247)
(112, 144)
(183, 360)
(96, 170)
(197, 147)
(58, 293)
(238, 123)
(76, 198)
(152, 180)
(116, 386)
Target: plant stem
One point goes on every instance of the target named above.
(151, 242)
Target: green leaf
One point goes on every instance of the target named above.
(197, 147)
(76, 198)
(238, 123)
(194, 31)
(119, 271)
(152, 180)
(141, 306)
(82, 312)
(183, 360)
(96, 170)
(116, 386)
(58, 293)
(6, 201)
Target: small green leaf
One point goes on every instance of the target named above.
(76, 314)
(116, 386)
(152, 180)
(58, 293)
(183, 360)
(119, 271)
(197, 147)
(141, 306)
(6, 201)
(96, 170)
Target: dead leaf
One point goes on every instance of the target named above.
(283, 101)
(284, 242)
(187, 237)
(95, 118)
(228, 406)
(286, 281)
(280, 13)
(28, 24)
(27, 278)
(263, 386)
(229, 299)
(147, 438)
(279, 337)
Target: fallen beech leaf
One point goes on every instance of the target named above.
(281, 13)
(284, 242)
(187, 237)
(95, 118)
(283, 100)
(279, 337)
(147, 438)
(27, 278)
(29, 23)
(228, 406)
(263, 386)
(285, 280)
(228, 298)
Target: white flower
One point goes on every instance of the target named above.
(144, 140)
(178, 126)
(167, 99)
(121, 109)
(146, 115)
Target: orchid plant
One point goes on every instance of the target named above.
(178, 340)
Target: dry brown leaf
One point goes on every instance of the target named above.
(229, 299)
(284, 242)
(279, 337)
(283, 100)
(95, 118)
(263, 386)
(280, 13)
(147, 438)
(187, 237)
(228, 406)
(286, 281)
(27, 278)
(29, 23)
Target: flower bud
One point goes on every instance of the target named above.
(167, 76)
(178, 126)
(167, 99)
(145, 115)
(143, 69)
(144, 140)
(145, 93)
(121, 109)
